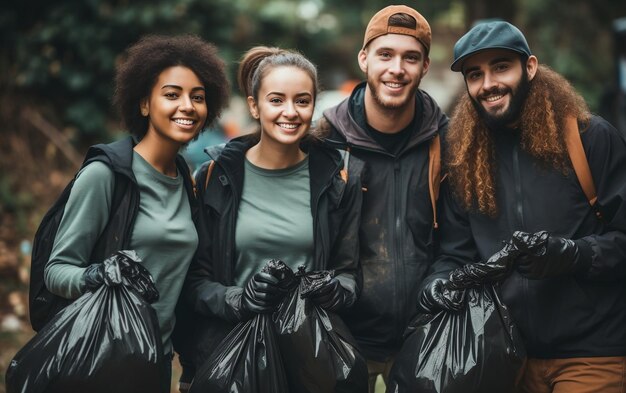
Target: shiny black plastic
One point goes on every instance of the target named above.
(106, 341)
(319, 352)
(247, 361)
(476, 349)
(298, 348)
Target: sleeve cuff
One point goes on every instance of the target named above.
(585, 257)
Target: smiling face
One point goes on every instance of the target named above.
(284, 105)
(394, 65)
(498, 84)
(176, 108)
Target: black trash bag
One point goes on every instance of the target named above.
(105, 341)
(318, 350)
(248, 360)
(477, 349)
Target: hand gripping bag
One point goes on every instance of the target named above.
(319, 353)
(248, 360)
(476, 349)
(106, 341)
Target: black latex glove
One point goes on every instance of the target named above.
(122, 268)
(262, 294)
(330, 296)
(543, 255)
(436, 297)
(93, 276)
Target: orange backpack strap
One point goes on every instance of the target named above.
(579, 159)
(434, 174)
(208, 173)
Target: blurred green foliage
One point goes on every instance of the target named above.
(61, 55)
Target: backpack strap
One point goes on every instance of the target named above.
(345, 154)
(434, 174)
(579, 162)
(208, 173)
(579, 159)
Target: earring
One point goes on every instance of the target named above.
(255, 115)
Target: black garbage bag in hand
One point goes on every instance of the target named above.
(477, 349)
(318, 350)
(107, 340)
(248, 360)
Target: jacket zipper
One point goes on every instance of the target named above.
(519, 208)
(519, 211)
(397, 229)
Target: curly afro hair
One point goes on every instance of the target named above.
(152, 54)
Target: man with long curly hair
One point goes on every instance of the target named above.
(510, 177)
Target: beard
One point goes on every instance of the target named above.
(387, 104)
(514, 110)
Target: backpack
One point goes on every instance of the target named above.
(575, 151)
(43, 305)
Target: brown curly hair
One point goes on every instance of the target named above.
(147, 58)
(470, 157)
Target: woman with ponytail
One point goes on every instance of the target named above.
(276, 194)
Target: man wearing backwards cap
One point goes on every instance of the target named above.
(389, 123)
(509, 170)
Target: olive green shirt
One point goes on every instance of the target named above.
(163, 236)
(274, 219)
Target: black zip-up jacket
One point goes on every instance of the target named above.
(335, 208)
(396, 233)
(580, 315)
(116, 236)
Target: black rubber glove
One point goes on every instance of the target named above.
(544, 256)
(436, 296)
(93, 276)
(330, 296)
(122, 268)
(262, 294)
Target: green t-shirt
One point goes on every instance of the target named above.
(274, 219)
(163, 236)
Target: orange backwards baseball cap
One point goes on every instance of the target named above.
(379, 25)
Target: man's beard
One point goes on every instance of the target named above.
(387, 104)
(513, 112)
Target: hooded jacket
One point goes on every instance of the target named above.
(335, 207)
(396, 233)
(581, 315)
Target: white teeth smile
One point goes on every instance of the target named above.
(493, 98)
(393, 85)
(183, 122)
(287, 125)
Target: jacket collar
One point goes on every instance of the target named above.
(324, 162)
(342, 117)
